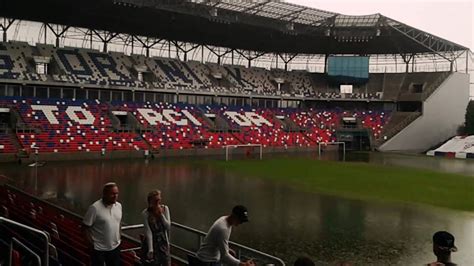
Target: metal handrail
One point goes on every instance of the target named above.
(18, 242)
(276, 260)
(200, 234)
(42, 233)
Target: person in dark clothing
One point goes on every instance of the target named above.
(303, 261)
(443, 245)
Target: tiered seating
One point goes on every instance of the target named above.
(354, 96)
(236, 76)
(375, 83)
(85, 66)
(85, 126)
(320, 126)
(13, 62)
(125, 65)
(68, 135)
(201, 71)
(268, 134)
(64, 228)
(173, 74)
(231, 84)
(392, 85)
(180, 135)
(297, 83)
(254, 79)
(6, 145)
(374, 121)
(425, 79)
(81, 66)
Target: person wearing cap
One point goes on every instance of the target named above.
(443, 245)
(214, 249)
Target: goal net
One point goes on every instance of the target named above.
(332, 151)
(249, 151)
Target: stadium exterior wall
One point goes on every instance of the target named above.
(443, 113)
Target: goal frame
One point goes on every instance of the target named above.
(333, 143)
(228, 147)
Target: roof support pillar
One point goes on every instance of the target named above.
(169, 49)
(147, 44)
(90, 39)
(108, 36)
(58, 32)
(326, 57)
(219, 54)
(5, 25)
(202, 54)
(407, 58)
(184, 50)
(249, 57)
(287, 60)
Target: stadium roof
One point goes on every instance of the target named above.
(266, 26)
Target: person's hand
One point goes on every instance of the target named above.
(161, 209)
(149, 255)
(250, 263)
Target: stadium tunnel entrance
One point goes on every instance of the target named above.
(355, 139)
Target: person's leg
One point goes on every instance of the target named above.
(113, 257)
(97, 258)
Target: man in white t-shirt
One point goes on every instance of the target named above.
(102, 227)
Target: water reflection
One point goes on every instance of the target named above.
(284, 221)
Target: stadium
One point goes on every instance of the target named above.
(318, 122)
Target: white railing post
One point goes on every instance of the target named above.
(42, 233)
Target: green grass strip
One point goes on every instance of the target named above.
(363, 181)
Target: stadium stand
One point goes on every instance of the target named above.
(87, 125)
(258, 126)
(6, 144)
(175, 126)
(70, 126)
(85, 66)
(14, 62)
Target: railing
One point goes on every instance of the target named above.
(39, 232)
(242, 252)
(19, 243)
(64, 211)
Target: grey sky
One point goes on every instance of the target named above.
(452, 20)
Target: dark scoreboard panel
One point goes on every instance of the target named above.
(356, 67)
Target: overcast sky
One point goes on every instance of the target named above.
(451, 20)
